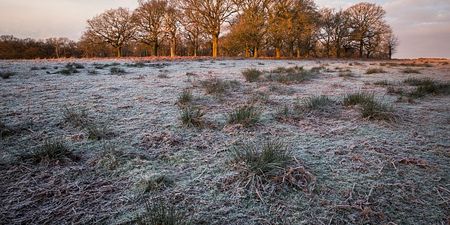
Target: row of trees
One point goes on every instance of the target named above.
(250, 28)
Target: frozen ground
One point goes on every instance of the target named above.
(366, 172)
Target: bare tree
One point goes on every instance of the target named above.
(210, 16)
(114, 27)
(334, 31)
(367, 22)
(149, 18)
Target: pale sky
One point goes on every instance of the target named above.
(423, 26)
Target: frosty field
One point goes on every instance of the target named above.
(346, 168)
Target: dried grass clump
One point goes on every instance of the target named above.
(252, 75)
(117, 71)
(136, 65)
(6, 74)
(162, 213)
(410, 70)
(291, 75)
(51, 151)
(375, 70)
(247, 115)
(263, 166)
(192, 116)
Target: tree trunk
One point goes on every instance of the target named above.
(247, 52)
(172, 48)
(119, 52)
(215, 45)
(298, 52)
(155, 48)
(255, 53)
(361, 45)
(277, 53)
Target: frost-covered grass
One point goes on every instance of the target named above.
(340, 169)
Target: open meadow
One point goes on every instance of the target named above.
(227, 141)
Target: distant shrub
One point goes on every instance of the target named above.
(375, 70)
(185, 97)
(50, 151)
(246, 115)
(358, 98)
(192, 116)
(410, 70)
(117, 71)
(6, 74)
(161, 213)
(251, 75)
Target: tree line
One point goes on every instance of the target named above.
(247, 28)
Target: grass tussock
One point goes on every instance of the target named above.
(427, 86)
(217, 86)
(185, 97)
(375, 71)
(374, 110)
(382, 83)
(6, 74)
(192, 116)
(117, 71)
(358, 98)
(5, 131)
(76, 116)
(346, 74)
(264, 166)
(317, 105)
(370, 108)
(162, 213)
(97, 132)
(252, 75)
(291, 75)
(247, 115)
(51, 151)
(157, 183)
(410, 71)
